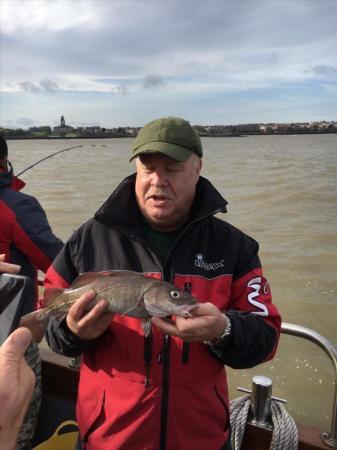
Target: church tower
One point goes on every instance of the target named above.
(63, 122)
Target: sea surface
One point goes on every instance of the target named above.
(282, 190)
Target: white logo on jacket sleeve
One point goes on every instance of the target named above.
(256, 284)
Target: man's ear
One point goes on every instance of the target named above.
(198, 167)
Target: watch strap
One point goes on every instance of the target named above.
(226, 332)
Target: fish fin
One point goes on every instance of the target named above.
(35, 324)
(86, 278)
(50, 294)
(147, 325)
(89, 277)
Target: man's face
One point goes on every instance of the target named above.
(165, 189)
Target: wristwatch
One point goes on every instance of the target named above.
(226, 332)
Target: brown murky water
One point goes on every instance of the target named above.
(282, 190)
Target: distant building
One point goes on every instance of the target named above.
(41, 129)
(63, 128)
(93, 130)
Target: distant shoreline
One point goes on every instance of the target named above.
(55, 138)
(18, 137)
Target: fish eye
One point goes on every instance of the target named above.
(175, 294)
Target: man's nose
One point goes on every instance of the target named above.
(159, 178)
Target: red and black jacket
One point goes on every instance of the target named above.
(186, 405)
(25, 235)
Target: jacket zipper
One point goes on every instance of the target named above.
(166, 345)
(166, 372)
(183, 234)
(165, 391)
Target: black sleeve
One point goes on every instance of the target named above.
(64, 270)
(247, 256)
(61, 340)
(250, 343)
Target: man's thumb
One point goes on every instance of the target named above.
(18, 341)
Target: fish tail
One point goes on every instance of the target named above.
(35, 324)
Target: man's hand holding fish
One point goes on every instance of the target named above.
(88, 325)
(206, 324)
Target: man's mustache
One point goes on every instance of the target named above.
(159, 193)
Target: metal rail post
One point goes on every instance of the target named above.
(306, 333)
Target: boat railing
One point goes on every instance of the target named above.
(329, 438)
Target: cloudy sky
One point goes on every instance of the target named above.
(116, 63)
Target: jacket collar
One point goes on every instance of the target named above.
(9, 180)
(120, 209)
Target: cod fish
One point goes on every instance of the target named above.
(127, 293)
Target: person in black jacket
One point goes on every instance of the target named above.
(168, 390)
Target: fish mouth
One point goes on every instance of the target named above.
(184, 310)
(179, 310)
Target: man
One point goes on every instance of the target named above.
(26, 239)
(168, 391)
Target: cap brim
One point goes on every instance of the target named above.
(174, 151)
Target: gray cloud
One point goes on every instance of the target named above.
(123, 88)
(25, 121)
(206, 36)
(205, 51)
(49, 85)
(324, 70)
(29, 87)
(273, 58)
(153, 82)
(44, 85)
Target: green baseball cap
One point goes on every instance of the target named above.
(171, 136)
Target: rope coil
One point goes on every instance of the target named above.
(285, 435)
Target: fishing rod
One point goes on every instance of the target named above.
(49, 156)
